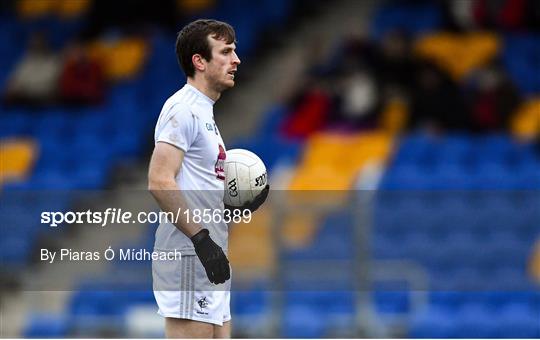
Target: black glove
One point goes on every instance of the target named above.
(212, 257)
(253, 205)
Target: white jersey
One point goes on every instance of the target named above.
(187, 122)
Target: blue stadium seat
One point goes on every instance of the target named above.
(303, 322)
(475, 321)
(251, 302)
(333, 240)
(13, 123)
(97, 303)
(520, 56)
(433, 323)
(518, 321)
(272, 120)
(47, 326)
(271, 149)
(415, 19)
(392, 302)
(325, 302)
(15, 250)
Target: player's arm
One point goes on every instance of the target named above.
(164, 166)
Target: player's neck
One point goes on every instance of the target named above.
(204, 88)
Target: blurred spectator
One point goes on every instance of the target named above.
(311, 106)
(395, 65)
(507, 15)
(395, 70)
(459, 15)
(493, 99)
(357, 100)
(356, 89)
(34, 81)
(436, 102)
(82, 80)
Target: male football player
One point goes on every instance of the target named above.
(187, 172)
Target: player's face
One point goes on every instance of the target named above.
(222, 67)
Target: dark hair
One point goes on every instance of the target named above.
(193, 39)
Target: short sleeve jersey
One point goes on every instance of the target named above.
(187, 122)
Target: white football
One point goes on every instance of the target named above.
(245, 177)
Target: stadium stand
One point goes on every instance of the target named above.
(461, 205)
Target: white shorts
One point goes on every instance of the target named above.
(182, 290)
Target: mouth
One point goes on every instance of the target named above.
(231, 73)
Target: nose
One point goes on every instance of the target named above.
(236, 60)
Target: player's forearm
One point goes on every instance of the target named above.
(171, 200)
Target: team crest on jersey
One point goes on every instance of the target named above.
(203, 303)
(212, 127)
(220, 163)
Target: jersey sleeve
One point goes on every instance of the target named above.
(178, 128)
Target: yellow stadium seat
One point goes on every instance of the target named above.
(332, 161)
(298, 230)
(16, 158)
(534, 264)
(72, 8)
(526, 121)
(193, 6)
(63, 8)
(123, 58)
(35, 8)
(250, 245)
(394, 117)
(459, 54)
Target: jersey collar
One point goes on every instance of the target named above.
(202, 95)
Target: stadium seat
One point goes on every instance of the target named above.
(332, 161)
(123, 58)
(47, 326)
(250, 246)
(15, 250)
(526, 121)
(392, 302)
(475, 321)
(303, 322)
(35, 8)
(72, 8)
(517, 321)
(102, 303)
(249, 302)
(13, 124)
(17, 158)
(433, 323)
(273, 149)
(458, 54)
(520, 54)
(272, 120)
(414, 20)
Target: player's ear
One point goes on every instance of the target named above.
(198, 62)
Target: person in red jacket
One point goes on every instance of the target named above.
(82, 80)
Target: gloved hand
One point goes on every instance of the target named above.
(255, 204)
(212, 257)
